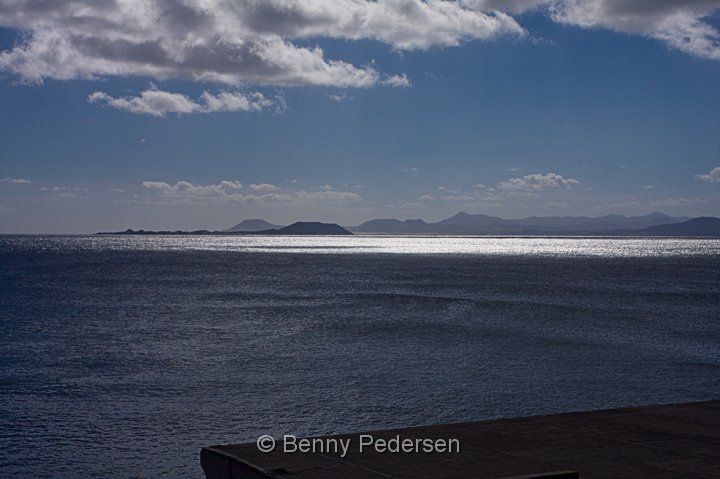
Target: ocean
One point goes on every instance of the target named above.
(121, 356)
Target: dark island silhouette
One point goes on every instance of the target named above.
(309, 228)
(300, 228)
(654, 224)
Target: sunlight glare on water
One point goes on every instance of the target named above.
(566, 247)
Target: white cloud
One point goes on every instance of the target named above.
(537, 182)
(258, 41)
(185, 189)
(159, 103)
(328, 196)
(397, 81)
(239, 42)
(270, 42)
(17, 181)
(263, 187)
(339, 97)
(230, 191)
(504, 190)
(679, 24)
(712, 177)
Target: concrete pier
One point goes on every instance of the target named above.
(667, 441)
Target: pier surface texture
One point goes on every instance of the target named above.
(667, 441)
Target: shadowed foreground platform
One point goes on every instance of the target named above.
(668, 441)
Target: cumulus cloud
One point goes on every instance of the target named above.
(267, 42)
(537, 182)
(712, 177)
(232, 191)
(17, 181)
(239, 42)
(271, 42)
(159, 103)
(680, 24)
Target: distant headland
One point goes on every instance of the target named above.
(654, 224)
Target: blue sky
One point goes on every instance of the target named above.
(213, 111)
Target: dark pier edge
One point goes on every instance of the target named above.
(661, 441)
(217, 463)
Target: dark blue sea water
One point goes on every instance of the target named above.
(123, 356)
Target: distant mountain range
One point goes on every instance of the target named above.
(654, 224)
(479, 224)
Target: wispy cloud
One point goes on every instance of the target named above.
(339, 97)
(672, 202)
(505, 191)
(397, 81)
(17, 181)
(159, 103)
(263, 187)
(187, 189)
(538, 182)
(712, 177)
(234, 191)
(328, 196)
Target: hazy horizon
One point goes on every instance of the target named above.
(354, 225)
